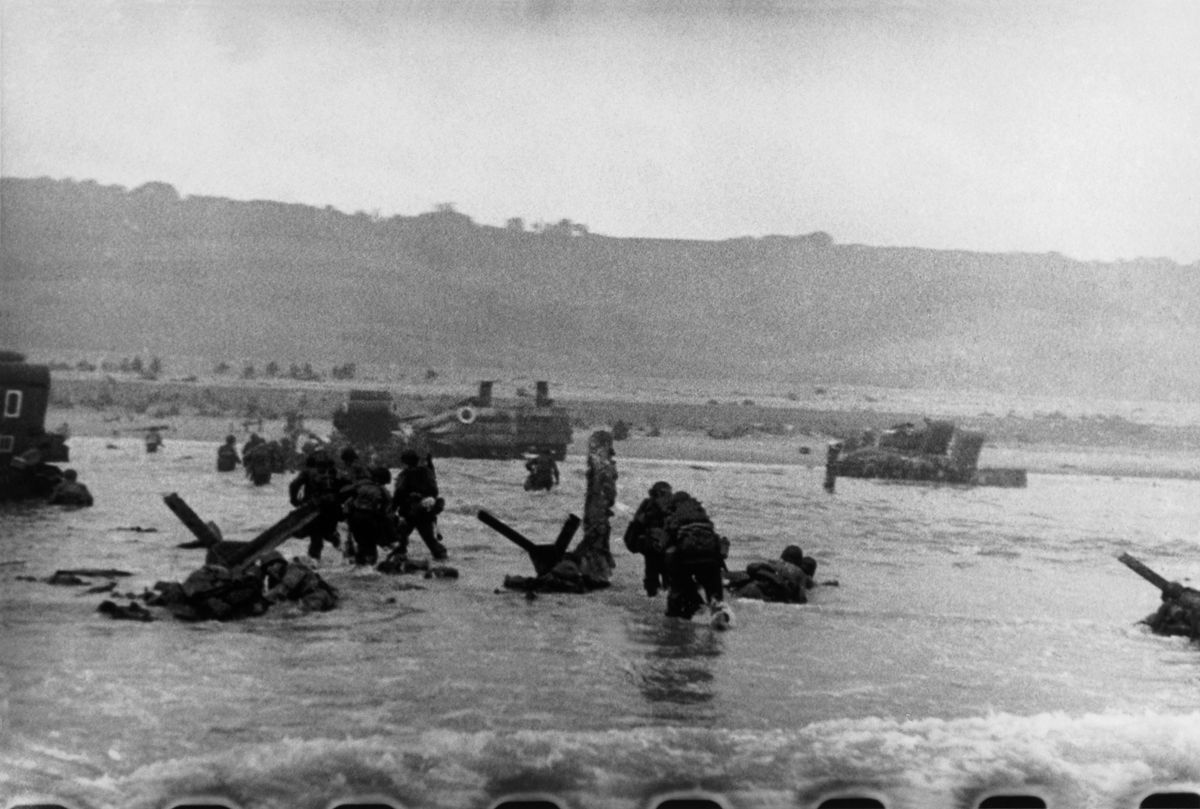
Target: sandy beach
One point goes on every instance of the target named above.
(664, 422)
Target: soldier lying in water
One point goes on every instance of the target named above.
(787, 579)
(296, 581)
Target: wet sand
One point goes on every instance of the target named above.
(767, 431)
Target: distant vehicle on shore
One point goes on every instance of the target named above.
(475, 427)
(27, 452)
(937, 451)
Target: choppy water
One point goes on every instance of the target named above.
(979, 640)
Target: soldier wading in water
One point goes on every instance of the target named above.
(417, 504)
(695, 556)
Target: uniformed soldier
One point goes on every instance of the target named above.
(647, 535)
(417, 503)
(296, 581)
(694, 556)
(227, 455)
(70, 492)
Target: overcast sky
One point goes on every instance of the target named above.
(989, 125)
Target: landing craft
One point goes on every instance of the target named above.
(27, 452)
(476, 427)
(938, 451)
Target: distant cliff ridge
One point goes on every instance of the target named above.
(88, 266)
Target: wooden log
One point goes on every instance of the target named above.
(593, 552)
(1143, 571)
(205, 533)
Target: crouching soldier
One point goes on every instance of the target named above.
(695, 556)
(647, 535)
(786, 579)
(70, 492)
(296, 581)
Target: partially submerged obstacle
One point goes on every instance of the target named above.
(590, 565)
(228, 585)
(1179, 613)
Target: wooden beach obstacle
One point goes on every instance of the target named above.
(1179, 613)
(590, 565)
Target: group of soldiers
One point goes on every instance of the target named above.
(349, 492)
(684, 554)
(682, 551)
(261, 458)
(354, 493)
(376, 517)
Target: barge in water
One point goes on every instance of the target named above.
(937, 452)
(27, 451)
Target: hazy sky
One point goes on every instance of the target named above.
(989, 125)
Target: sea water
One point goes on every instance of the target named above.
(977, 641)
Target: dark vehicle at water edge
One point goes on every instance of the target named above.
(475, 427)
(937, 451)
(27, 452)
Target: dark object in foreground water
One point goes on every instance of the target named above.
(133, 612)
(1179, 613)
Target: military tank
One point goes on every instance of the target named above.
(475, 427)
(27, 452)
(937, 451)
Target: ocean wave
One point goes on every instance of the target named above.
(1087, 760)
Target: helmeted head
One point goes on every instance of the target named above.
(229, 439)
(381, 475)
(70, 474)
(792, 555)
(271, 561)
(660, 489)
(808, 565)
(349, 456)
(409, 458)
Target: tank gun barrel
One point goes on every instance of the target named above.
(1143, 571)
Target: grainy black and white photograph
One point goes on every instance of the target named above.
(550, 404)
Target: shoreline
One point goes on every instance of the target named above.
(761, 433)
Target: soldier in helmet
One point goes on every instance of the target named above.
(416, 503)
(367, 504)
(296, 581)
(695, 555)
(227, 455)
(70, 492)
(543, 472)
(647, 535)
(787, 579)
(319, 484)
